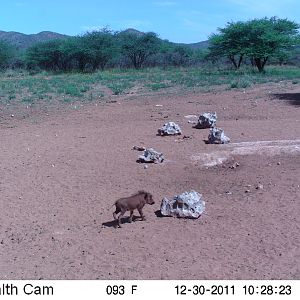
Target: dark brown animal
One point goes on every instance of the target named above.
(131, 203)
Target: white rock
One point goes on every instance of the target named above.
(186, 205)
(207, 120)
(170, 128)
(217, 136)
(151, 156)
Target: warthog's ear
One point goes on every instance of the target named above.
(146, 196)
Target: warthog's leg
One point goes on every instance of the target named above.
(141, 213)
(120, 218)
(115, 213)
(131, 216)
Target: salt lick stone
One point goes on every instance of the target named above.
(187, 205)
(207, 120)
(170, 128)
(217, 136)
(151, 156)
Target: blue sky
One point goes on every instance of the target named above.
(186, 21)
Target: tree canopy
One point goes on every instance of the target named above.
(89, 51)
(258, 39)
(138, 47)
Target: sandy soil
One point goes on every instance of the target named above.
(63, 168)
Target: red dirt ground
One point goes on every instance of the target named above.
(62, 169)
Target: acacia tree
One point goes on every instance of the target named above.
(138, 47)
(259, 39)
(269, 37)
(46, 55)
(89, 51)
(99, 47)
(230, 42)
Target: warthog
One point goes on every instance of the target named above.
(131, 203)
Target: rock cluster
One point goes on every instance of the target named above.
(170, 128)
(151, 156)
(186, 205)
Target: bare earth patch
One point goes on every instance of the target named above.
(61, 171)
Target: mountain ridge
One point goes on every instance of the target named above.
(23, 41)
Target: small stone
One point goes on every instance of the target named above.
(138, 148)
(190, 116)
(247, 191)
(145, 167)
(151, 156)
(12, 116)
(235, 165)
(259, 186)
(279, 163)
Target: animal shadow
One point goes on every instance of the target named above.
(114, 223)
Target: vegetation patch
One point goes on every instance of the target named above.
(90, 87)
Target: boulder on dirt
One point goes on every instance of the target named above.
(217, 136)
(170, 128)
(151, 156)
(207, 120)
(186, 205)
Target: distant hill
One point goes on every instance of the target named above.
(199, 45)
(23, 41)
(133, 31)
